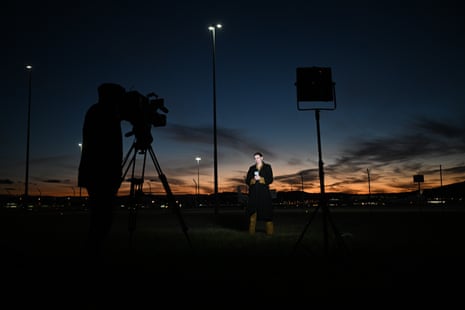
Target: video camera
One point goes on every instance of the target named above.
(143, 113)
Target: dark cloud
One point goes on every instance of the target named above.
(424, 139)
(52, 181)
(228, 138)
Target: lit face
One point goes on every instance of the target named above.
(258, 159)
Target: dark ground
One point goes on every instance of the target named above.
(388, 256)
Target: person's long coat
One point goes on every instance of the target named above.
(260, 199)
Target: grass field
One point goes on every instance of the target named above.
(403, 252)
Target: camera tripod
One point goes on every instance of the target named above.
(137, 183)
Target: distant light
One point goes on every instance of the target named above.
(198, 158)
(28, 67)
(212, 27)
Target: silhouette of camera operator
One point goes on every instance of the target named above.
(100, 170)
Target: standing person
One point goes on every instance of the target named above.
(260, 205)
(100, 167)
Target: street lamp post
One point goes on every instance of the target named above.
(212, 29)
(80, 187)
(26, 182)
(198, 177)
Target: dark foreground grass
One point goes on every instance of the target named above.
(416, 255)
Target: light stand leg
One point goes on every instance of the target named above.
(323, 204)
(306, 227)
(323, 201)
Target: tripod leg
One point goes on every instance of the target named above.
(132, 205)
(136, 190)
(171, 199)
(131, 163)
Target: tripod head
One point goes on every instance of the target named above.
(143, 138)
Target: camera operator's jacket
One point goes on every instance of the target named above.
(102, 149)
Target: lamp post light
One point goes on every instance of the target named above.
(26, 182)
(198, 177)
(212, 29)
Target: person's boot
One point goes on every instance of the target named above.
(269, 228)
(252, 223)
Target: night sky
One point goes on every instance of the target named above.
(398, 69)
